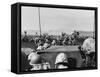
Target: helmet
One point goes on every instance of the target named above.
(39, 47)
(34, 58)
(61, 57)
(46, 45)
(89, 45)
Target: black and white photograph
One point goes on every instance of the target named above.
(57, 38)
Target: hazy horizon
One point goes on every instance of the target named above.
(55, 19)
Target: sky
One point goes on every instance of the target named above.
(56, 20)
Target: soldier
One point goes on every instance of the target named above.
(54, 42)
(64, 42)
(40, 45)
(37, 63)
(46, 44)
(88, 48)
(61, 61)
(25, 66)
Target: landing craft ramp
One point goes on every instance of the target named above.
(73, 53)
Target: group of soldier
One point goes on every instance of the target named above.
(36, 61)
(44, 41)
(86, 48)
